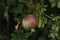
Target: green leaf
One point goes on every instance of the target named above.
(30, 4)
(42, 21)
(56, 18)
(43, 10)
(41, 38)
(20, 0)
(51, 35)
(13, 35)
(53, 4)
(13, 38)
(18, 9)
(38, 7)
(12, 2)
(6, 14)
(51, 0)
(17, 18)
(58, 5)
(45, 6)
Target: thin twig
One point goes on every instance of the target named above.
(48, 16)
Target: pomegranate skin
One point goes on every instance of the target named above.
(29, 22)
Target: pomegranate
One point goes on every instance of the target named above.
(30, 21)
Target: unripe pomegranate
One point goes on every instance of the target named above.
(29, 22)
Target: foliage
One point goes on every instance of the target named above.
(13, 11)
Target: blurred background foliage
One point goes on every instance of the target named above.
(13, 11)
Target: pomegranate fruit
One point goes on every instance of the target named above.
(29, 22)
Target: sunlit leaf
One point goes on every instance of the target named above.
(52, 35)
(53, 4)
(42, 21)
(58, 5)
(51, 0)
(56, 18)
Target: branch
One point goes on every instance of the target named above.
(48, 16)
